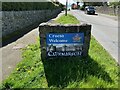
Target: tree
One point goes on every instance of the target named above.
(114, 4)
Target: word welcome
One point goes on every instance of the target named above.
(55, 38)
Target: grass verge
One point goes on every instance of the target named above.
(98, 70)
(69, 19)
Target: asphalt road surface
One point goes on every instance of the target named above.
(104, 29)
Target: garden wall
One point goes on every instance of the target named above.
(108, 10)
(18, 20)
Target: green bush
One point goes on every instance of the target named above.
(82, 8)
(22, 6)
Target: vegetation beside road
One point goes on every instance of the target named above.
(69, 19)
(98, 70)
(25, 6)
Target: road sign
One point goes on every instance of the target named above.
(64, 44)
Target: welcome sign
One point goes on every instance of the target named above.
(64, 44)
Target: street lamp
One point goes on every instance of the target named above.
(66, 7)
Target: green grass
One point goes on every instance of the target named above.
(98, 70)
(69, 19)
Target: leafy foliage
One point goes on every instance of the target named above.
(93, 3)
(22, 6)
(114, 4)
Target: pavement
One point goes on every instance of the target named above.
(11, 53)
(109, 16)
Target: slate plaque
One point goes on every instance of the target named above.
(64, 44)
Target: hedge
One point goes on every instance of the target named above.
(23, 6)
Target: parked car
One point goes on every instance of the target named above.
(89, 10)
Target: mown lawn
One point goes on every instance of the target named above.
(98, 70)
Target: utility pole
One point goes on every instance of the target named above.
(66, 8)
(78, 5)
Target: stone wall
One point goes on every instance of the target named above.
(57, 28)
(108, 10)
(18, 20)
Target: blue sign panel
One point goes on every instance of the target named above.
(64, 44)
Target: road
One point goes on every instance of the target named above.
(104, 29)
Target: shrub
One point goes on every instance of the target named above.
(23, 6)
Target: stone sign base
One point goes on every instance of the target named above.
(47, 29)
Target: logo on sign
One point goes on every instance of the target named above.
(76, 38)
